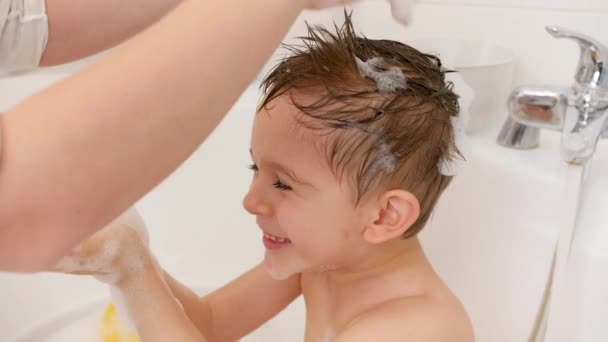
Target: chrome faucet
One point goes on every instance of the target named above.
(580, 112)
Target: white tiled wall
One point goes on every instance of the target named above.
(592, 5)
(518, 24)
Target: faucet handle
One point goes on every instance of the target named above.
(593, 63)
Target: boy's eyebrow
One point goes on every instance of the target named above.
(285, 170)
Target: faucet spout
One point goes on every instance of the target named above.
(585, 122)
(580, 112)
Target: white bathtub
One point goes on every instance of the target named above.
(491, 238)
(494, 233)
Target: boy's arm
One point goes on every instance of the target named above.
(157, 315)
(119, 256)
(413, 319)
(238, 308)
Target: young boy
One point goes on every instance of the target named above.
(350, 148)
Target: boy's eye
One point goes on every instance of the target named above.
(278, 184)
(281, 186)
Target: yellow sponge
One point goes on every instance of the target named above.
(113, 330)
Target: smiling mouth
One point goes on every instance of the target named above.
(274, 242)
(276, 238)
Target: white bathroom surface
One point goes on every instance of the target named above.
(83, 324)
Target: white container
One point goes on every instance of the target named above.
(486, 67)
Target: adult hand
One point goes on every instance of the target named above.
(321, 4)
(401, 9)
(113, 254)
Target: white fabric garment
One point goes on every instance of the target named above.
(23, 34)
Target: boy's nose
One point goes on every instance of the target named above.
(254, 203)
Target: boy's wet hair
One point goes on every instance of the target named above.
(378, 140)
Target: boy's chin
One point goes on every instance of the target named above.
(281, 266)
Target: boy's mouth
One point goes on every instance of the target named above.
(272, 242)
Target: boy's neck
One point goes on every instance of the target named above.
(334, 298)
(401, 257)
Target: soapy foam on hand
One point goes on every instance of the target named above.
(102, 263)
(99, 266)
(123, 323)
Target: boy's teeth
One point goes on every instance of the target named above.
(276, 238)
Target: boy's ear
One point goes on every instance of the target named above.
(394, 213)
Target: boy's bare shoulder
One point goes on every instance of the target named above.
(419, 319)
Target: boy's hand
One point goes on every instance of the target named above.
(113, 254)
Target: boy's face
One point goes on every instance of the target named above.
(308, 218)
